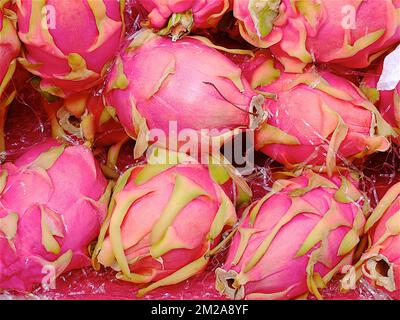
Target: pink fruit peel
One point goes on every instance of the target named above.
(346, 32)
(66, 61)
(387, 101)
(380, 263)
(54, 199)
(178, 18)
(336, 125)
(9, 50)
(164, 222)
(192, 84)
(295, 239)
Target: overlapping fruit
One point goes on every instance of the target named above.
(177, 18)
(346, 32)
(236, 142)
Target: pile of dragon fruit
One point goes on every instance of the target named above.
(116, 117)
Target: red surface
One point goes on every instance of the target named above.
(91, 285)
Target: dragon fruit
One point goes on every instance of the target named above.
(91, 121)
(295, 239)
(9, 47)
(388, 101)
(317, 118)
(53, 202)
(381, 262)
(9, 50)
(389, 106)
(177, 17)
(351, 33)
(191, 87)
(165, 220)
(55, 48)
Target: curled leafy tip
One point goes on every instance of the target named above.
(224, 286)
(379, 269)
(179, 25)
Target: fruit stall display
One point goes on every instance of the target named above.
(89, 212)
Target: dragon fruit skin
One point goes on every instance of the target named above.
(66, 62)
(48, 195)
(191, 83)
(336, 123)
(201, 14)
(381, 262)
(9, 49)
(387, 101)
(297, 31)
(177, 213)
(389, 106)
(294, 240)
(96, 122)
(250, 29)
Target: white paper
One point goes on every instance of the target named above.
(390, 76)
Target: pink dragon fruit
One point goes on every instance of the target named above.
(53, 202)
(389, 106)
(87, 122)
(381, 262)
(295, 239)
(317, 118)
(9, 50)
(177, 17)
(348, 32)
(191, 87)
(9, 47)
(73, 50)
(164, 221)
(388, 101)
